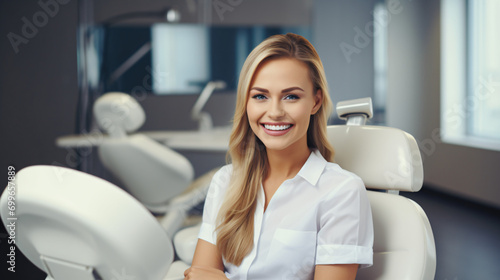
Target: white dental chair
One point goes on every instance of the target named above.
(388, 160)
(150, 171)
(75, 226)
(157, 176)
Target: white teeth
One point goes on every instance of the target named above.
(277, 127)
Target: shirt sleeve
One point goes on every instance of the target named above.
(215, 196)
(346, 226)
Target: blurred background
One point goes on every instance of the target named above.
(432, 68)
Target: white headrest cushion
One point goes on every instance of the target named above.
(384, 157)
(118, 113)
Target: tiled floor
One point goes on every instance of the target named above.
(467, 239)
(467, 236)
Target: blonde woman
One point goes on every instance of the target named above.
(282, 209)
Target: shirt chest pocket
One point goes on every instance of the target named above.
(293, 248)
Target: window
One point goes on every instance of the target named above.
(484, 67)
(470, 73)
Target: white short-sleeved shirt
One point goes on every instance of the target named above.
(321, 216)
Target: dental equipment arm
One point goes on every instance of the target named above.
(203, 118)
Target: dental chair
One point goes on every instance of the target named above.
(154, 174)
(76, 226)
(388, 160)
(150, 171)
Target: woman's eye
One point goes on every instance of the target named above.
(291, 97)
(259, 96)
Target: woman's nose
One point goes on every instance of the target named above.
(276, 109)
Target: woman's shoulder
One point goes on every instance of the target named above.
(333, 168)
(224, 172)
(337, 185)
(220, 180)
(335, 173)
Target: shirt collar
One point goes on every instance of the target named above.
(313, 168)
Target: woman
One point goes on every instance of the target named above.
(281, 209)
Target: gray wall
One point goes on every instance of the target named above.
(336, 23)
(217, 12)
(38, 84)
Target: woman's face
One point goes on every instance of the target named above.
(281, 100)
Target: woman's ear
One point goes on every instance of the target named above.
(318, 99)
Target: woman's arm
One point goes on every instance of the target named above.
(335, 272)
(207, 263)
(207, 254)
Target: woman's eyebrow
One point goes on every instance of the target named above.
(283, 91)
(259, 89)
(291, 89)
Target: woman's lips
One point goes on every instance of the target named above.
(276, 129)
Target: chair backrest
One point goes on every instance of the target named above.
(386, 158)
(389, 159)
(150, 171)
(73, 225)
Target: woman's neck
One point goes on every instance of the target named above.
(286, 164)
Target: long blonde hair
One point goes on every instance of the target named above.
(248, 154)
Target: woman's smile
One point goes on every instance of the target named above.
(276, 129)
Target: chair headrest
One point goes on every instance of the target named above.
(69, 221)
(118, 113)
(385, 158)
